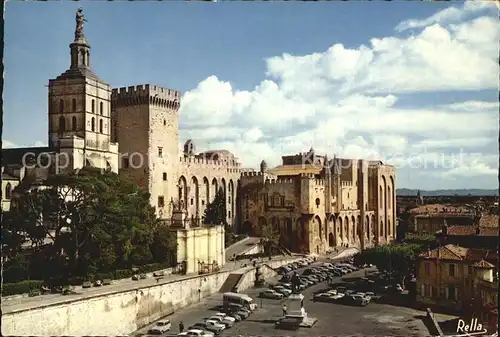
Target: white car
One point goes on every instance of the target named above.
(215, 324)
(227, 321)
(283, 290)
(196, 333)
(163, 326)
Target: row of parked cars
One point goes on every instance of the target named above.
(342, 295)
(310, 276)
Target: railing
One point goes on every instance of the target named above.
(188, 222)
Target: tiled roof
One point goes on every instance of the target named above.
(454, 252)
(489, 220)
(471, 230)
(293, 170)
(483, 264)
(439, 208)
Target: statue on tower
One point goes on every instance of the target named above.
(80, 19)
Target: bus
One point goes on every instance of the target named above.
(241, 299)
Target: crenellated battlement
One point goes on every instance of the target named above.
(251, 174)
(307, 176)
(209, 162)
(279, 181)
(319, 182)
(146, 94)
(346, 184)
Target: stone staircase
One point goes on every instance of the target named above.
(230, 283)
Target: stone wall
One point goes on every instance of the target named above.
(117, 313)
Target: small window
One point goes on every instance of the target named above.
(61, 105)
(427, 268)
(451, 268)
(203, 202)
(62, 124)
(100, 126)
(93, 106)
(101, 107)
(164, 122)
(161, 201)
(73, 123)
(8, 191)
(164, 176)
(229, 214)
(317, 202)
(192, 201)
(126, 163)
(73, 105)
(93, 124)
(160, 152)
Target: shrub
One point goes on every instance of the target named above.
(122, 273)
(23, 287)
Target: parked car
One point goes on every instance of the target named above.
(282, 290)
(215, 328)
(270, 294)
(227, 321)
(356, 300)
(163, 325)
(196, 333)
(215, 325)
(287, 323)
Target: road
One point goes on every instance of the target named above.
(13, 304)
(241, 246)
(333, 319)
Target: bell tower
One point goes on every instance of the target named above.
(80, 109)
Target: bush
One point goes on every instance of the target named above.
(149, 268)
(23, 287)
(122, 273)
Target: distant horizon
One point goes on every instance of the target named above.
(280, 79)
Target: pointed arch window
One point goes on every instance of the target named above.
(73, 105)
(8, 191)
(100, 126)
(61, 105)
(73, 123)
(62, 124)
(93, 124)
(101, 107)
(93, 106)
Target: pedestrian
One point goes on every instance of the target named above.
(181, 327)
(284, 309)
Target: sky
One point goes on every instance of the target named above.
(414, 84)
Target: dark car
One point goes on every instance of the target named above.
(287, 323)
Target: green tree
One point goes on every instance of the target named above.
(269, 239)
(398, 258)
(97, 221)
(164, 246)
(215, 212)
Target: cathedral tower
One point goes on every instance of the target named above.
(80, 110)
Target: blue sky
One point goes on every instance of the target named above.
(227, 57)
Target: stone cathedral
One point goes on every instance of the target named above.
(312, 202)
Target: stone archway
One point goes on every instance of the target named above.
(340, 232)
(194, 198)
(183, 192)
(345, 237)
(214, 190)
(331, 240)
(247, 227)
(367, 228)
(262, 223)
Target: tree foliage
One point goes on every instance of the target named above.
(215, 212)
(397, 258)
(269, 239)
(96, 222)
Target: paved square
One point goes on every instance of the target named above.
(333, 319)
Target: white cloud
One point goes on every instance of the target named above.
(346, 101)
(8, 144)
(448, 15)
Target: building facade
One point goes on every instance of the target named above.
(451, 276)
(315, 204)
(428, 219)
